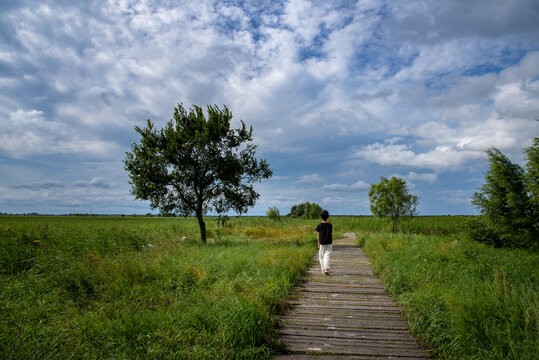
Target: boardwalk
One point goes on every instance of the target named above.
(346, 315)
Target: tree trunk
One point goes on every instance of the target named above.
(202, 225)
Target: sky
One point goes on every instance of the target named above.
(339, 94)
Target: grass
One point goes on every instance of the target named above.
(145, 288)
(97, 288)
(463, 299)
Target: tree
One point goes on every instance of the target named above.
(391, 198)
(532, 175)
(300, 209)
(307, 210)
(508, 200)
(273, 213)
(196, 164)
(314, 211)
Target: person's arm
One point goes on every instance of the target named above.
(318, 236)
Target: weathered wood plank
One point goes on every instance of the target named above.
(368, 323)
(347, 314)
(339, 332)
(327, 307)
(342, 357)
(366, 348)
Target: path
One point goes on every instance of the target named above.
(346, 315)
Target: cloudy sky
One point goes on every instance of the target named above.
(339, 93)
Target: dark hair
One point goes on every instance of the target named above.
(324, 215)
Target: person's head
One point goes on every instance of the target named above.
(324, 215)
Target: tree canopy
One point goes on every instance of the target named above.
(391, 198)
(509, 201)
(307, 210)
(196, 164)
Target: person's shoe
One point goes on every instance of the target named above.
(326, 272)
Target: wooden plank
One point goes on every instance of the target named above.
(345, 306)
(357, 324)
(367, 348)
(341, 357)
(340, 332)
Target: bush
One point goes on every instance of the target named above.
(273, 213)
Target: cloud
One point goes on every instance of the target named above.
(94, 182)
(401, 155)
(357, 186)
(308, 180)
(29, 132)
(427, 177)
(425, 86)
(449, 148)
(44, 185)
(456, 197)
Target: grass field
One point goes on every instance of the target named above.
(93, 288)
(463, 299)
(145, 287)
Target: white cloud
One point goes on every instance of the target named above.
(427, 177)
(445, 80)
(401, 155)
(28, 132)
(357, 186)
(308, 180)
(456, 197)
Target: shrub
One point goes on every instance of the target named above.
(273, 213)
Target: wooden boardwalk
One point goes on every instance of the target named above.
(346, 315)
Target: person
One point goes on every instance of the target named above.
(325, 242)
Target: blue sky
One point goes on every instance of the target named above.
(339, 93)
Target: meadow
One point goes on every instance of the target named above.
(463, 299)
(136, 287)
(99, 288)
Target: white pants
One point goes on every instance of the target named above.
(323, 256)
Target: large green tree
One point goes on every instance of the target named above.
(509, 200)
(196, 164)
(391, 198)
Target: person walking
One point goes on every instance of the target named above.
(325, 242)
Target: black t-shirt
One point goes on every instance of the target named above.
(325, 230)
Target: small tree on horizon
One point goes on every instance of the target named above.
(273, 213)
(391, 198)
(196, 164)
(300, 209)
(306, 210)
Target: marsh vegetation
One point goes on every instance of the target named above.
(74, 287)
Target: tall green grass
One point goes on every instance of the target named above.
(427, 225)
(98, 288)
(463, 299)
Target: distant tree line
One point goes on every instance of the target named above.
(306, 210)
